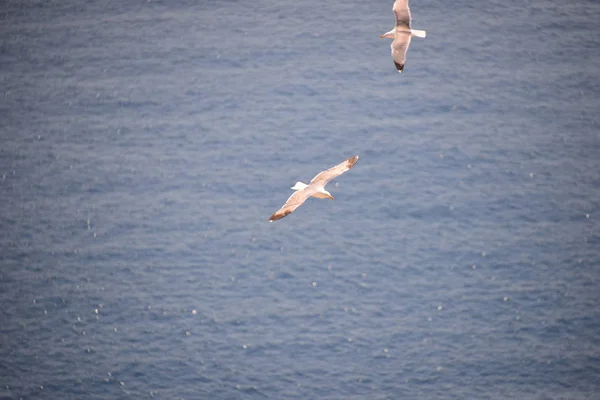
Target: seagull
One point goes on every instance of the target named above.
(402, 33)
(315, 188)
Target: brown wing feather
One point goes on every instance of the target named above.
(399, 49)
(402, 13)
(327, 175)
(293, 202)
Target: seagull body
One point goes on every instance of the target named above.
(316, 188)
(402, 33)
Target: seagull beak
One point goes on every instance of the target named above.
(381, 37)
(331, 197)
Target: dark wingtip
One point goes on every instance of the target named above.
(276, 216)
(399, 67)
(352, 161)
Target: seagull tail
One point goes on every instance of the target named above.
(418, 33)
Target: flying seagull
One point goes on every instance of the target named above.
(315, 188)
(402, 33)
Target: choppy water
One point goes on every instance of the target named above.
(145, 144)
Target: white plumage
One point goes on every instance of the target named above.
(316, 188)
(402, 33)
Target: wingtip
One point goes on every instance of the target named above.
(275, 217)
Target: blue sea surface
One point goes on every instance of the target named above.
(144, 145)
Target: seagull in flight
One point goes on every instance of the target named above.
(402, 33)
(315, 188)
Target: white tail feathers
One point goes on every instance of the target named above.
(418, 33)
(299, 186)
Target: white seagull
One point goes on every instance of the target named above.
(315, 188)
(401, 33)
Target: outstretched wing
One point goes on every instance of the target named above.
(402, 13)
(399, 49)
(323, 177)
(292, 203)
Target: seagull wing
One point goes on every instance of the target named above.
(402, 13)
(295, 201)
(323, 177)
(399, 49)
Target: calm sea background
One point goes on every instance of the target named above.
(144, 145)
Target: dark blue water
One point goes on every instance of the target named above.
(144, 145)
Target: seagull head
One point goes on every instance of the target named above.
(388, 35)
